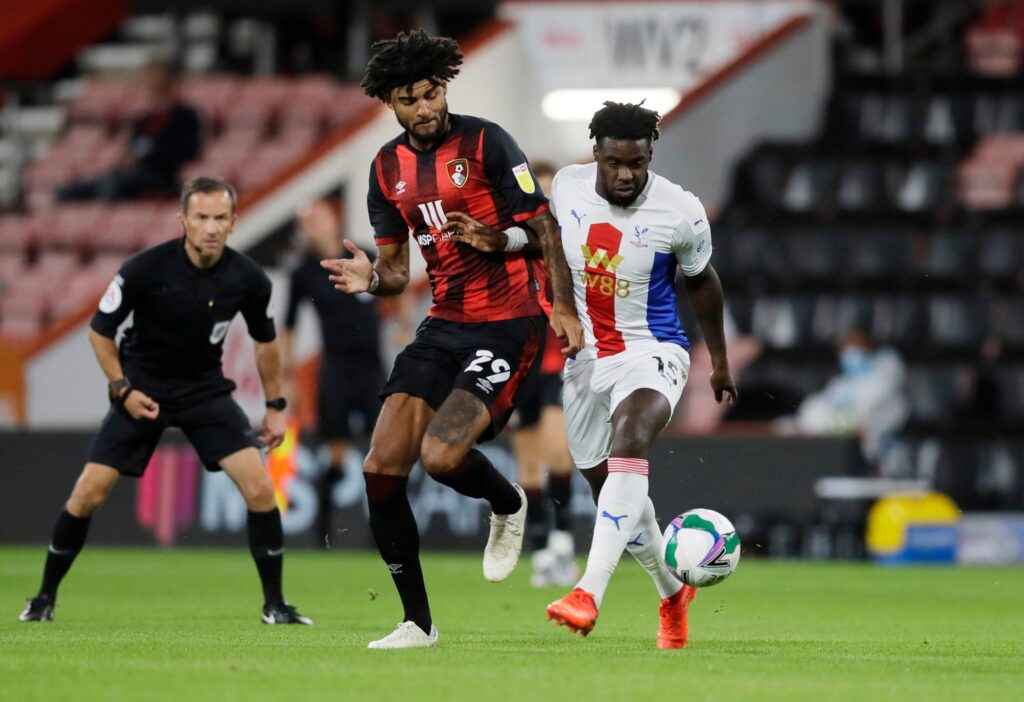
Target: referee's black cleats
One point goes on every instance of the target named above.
(38, 609)
(283, 613)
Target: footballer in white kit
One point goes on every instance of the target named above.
(625, 232)
(623, 261)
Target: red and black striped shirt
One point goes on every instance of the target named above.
(477, 169)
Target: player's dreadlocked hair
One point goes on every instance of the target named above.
(622, 120)
(409, 58)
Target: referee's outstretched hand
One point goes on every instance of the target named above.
(140, 405)
(350, 275)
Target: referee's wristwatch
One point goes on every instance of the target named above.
(278, 403)
(118, 390)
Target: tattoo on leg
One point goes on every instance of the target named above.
(455, 421)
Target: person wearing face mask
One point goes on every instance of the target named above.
(867, 399)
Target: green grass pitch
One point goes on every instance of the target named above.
(138, 625)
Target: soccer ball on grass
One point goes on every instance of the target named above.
(701, 547)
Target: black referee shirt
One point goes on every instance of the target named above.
(172, 350)
(349, 324)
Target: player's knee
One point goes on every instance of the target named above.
(380, 462)
(259, 495)
(86, 499)
(439, 458)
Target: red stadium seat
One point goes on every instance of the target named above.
(16, 234)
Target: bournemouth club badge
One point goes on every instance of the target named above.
(458, 171)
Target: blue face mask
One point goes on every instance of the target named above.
(854, 361)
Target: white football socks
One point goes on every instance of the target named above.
(620, 506)
(645, 546)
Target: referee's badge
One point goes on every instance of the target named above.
(111, 299)
(458, 171)
(220, 330)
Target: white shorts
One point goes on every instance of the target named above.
(595, 387)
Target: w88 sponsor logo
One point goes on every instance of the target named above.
(607, 285)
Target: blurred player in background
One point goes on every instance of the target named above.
(162, 140)
(167, 372)
(459, 379)
(351, 370)
(540, 447)
(625, 231)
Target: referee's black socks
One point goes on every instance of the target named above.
(477, 477)
(68, 538)
(266, 543)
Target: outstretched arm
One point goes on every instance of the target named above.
(707, 301)
(356, 274)
(563, 318)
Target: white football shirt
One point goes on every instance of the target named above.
(623, 259)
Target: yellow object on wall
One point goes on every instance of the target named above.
(918, 527)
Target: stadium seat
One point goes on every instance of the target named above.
(11, 266)
(757, 254)
(861, 186)
(809, 186)
(873, 254)
(774, 321)
(1011, 392)
(923, 186)
(999, 255)
(834, 315)
(1010, 323)
(900, 320)
(817, 255)
(956, 322)
(950, 255)
(72, 225)
(16, 234)
(934, 392)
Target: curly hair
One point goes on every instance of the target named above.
(622, 120)
(409, 58)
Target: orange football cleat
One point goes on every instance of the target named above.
(577, 611)
(673, 631)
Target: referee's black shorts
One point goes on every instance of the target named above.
(216, 428)
(491, 360)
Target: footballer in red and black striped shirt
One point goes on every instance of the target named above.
(478, 169)
(461, 187)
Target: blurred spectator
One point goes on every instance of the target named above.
(351, 370)
(867, 399)
(162, 139)
(980, 407)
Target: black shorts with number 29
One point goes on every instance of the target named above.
(491, 360)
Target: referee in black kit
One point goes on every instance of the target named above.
(184, 294)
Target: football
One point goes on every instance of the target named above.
(701, 547)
